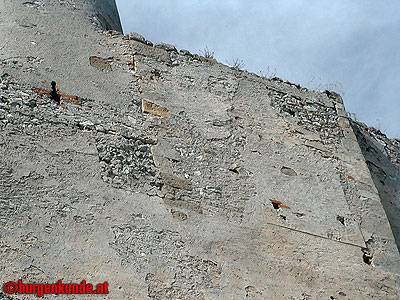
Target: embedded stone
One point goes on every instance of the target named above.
(136, 37)
(165, 46)
(288, 171)
(154, 109)
(99, 63)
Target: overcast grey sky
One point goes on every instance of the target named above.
(351, 45)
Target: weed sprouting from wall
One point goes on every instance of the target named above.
(316, 83)
(237, 64)
(268, 73)
(207, 53)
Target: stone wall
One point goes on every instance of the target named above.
(382, 156)
(50, 40)
(172, 176)
(107, 14)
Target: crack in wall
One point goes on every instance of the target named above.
(316, 235)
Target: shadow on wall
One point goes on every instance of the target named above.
(384, 168)
(108, 16)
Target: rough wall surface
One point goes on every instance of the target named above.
(107, 14)
(383, 160)
(50, 40)
(172, 176)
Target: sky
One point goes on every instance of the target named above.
(351, 47)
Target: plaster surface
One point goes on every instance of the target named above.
(172, 176)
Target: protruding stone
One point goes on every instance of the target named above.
(288, 171)
(165, 46)
(100, 63)
(208, 60)
(176, 214)
(185, 53)
(154, 109)
(176, 182)
(136, 37)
